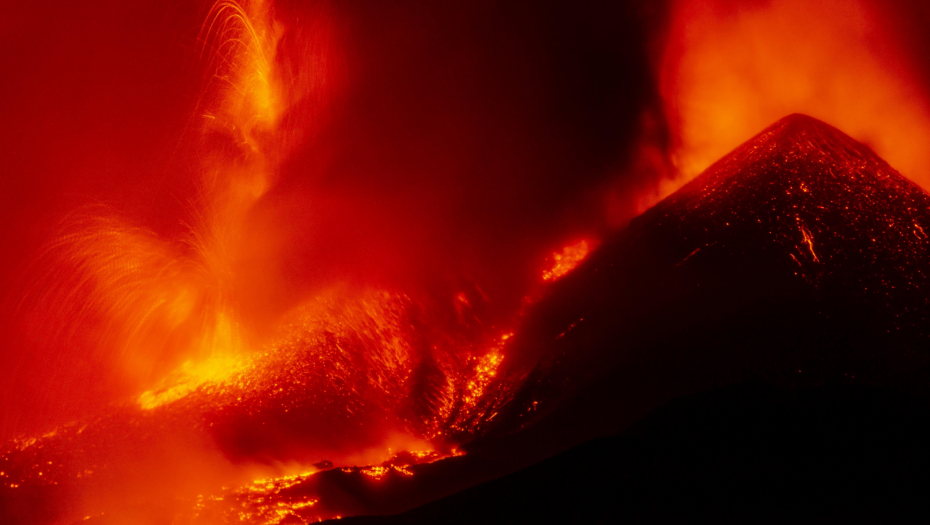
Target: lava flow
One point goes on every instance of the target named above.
(280, 262)
(302, 312)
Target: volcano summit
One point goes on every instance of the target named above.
(799, 259)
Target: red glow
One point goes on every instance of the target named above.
(250, 240)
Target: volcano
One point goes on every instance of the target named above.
(798, 260)
(755, 344)
(766, 325)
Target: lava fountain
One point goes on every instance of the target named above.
(300, 315)
(342, 304)
(147, 305)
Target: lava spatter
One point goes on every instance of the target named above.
(340, 385)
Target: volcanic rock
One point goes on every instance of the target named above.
(798, 260)
(759, 340)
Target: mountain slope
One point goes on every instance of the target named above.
(800, 259)
(759, 340)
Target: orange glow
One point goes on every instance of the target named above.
(190, 376)
(140, 302)
(566, 261)
(296, 319)
(733, 68)
(164, 315)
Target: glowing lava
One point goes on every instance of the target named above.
(220, 388)
(567, 260)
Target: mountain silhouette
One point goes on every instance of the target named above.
(754, 347)
(798, 260)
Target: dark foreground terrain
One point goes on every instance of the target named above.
(742, 455)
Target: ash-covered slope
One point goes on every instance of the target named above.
(800, 259)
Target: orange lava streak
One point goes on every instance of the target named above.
(809, 241)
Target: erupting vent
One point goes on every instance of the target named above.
(354, 257)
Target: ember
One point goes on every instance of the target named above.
(280, 262)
